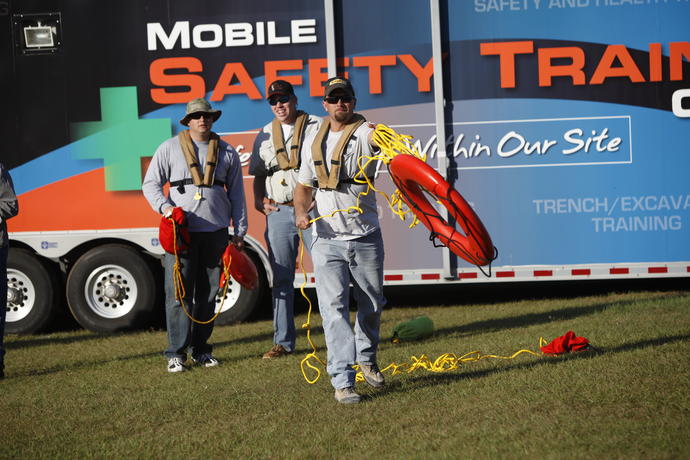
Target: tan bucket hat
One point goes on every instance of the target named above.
(199, 105)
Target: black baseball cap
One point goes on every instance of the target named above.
(280, 87)
(338, 83)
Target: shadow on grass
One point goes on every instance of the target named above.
(434, 379)
(39, 341)
(530, 319)
(94, 363)
(49, 340)
(498, 292)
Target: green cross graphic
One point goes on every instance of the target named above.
(121, 139)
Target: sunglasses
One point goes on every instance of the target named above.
(282, 99)
(197, 115)
(335, 99)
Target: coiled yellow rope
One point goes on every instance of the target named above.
(390, 144)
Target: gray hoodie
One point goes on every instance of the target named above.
(9, 206)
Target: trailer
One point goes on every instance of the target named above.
(564, 123)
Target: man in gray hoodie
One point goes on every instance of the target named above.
(205, 176)
(9, 207)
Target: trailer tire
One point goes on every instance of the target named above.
(111, 288)
(241, 302)
(31, 293)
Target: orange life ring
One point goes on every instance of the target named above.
(412, 176)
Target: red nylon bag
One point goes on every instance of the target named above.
(241, 268)
(166, 232)
(566, 343)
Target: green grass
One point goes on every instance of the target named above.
(77, 394)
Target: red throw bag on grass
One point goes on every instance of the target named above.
(566, 343)
(241, 268)
(166, 233)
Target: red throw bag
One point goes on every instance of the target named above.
(566, 343)
(241, 268)
(166, 233)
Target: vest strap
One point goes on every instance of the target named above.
(182, 182)
(328, 179)
(295, 146)
(191, 158)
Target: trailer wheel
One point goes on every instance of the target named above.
(31, 293)
(240, 302)
(111, 288)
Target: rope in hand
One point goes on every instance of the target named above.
(390, 145)
(178, 282)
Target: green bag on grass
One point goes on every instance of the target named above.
(414, 329)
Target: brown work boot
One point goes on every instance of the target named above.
(276, 352)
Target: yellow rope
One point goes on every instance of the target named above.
(444, 363)
(178, 282)
(390, 144)
(307, 324)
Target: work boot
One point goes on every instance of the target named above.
(372, 375)
(347, 395)
(276, 352)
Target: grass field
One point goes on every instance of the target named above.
(76, 394)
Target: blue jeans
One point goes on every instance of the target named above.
(200, 268)
(336, 264)
(282, 237)
(3, 301)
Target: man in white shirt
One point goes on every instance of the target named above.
(275, 164)
(347, 247)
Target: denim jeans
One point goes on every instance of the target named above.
(336, 264)
(282, 237)
(200, 268)
(3, 301)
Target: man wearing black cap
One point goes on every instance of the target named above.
(275, 162)
(348, 247)
(205, 176)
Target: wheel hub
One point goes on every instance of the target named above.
(21, 295)
(113, 291)
(14, 296)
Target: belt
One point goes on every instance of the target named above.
(287, 203)
(274, 169)
(347, 180)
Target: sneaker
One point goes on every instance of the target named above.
(206, 360)
(347, 396)
(372, 375)
(176, 365)
(276, 352)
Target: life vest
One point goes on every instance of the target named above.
(208, 179)
(293, 162)
(329, 180)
